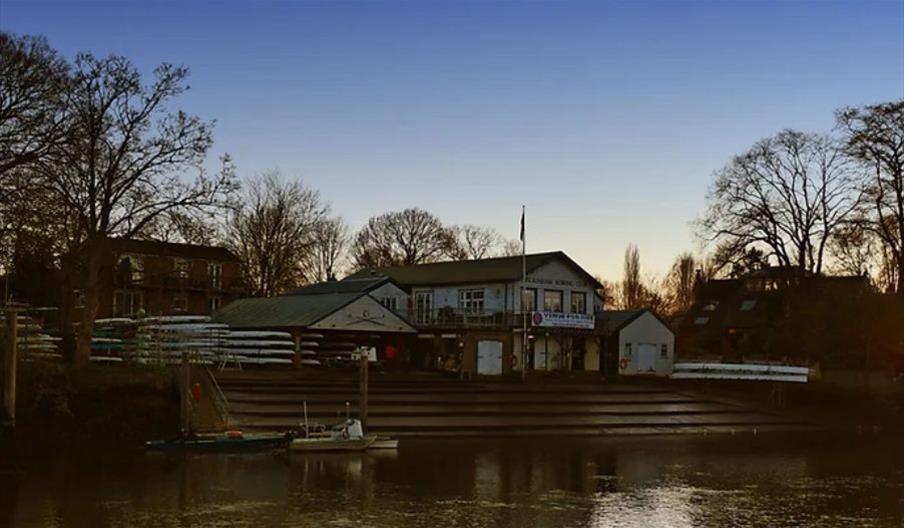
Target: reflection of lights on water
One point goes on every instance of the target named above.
(669, 507)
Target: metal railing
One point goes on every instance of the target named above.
(462, 318)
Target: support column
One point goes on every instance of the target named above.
(362, 399)
(9, 368)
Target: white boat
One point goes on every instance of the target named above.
(384, 442)
(347, 436)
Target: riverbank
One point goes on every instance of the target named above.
(59, 406)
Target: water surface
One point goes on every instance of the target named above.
(720, 481)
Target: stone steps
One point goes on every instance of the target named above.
(452, 408)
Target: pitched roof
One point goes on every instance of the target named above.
(171, 249)
(500, 269)
(611, 321)
(282, 311)
(344, 286)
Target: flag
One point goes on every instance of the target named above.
(522, 223)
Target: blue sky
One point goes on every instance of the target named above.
(607, 119)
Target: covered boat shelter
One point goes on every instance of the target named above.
(326, 326)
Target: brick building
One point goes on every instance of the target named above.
(164, 278)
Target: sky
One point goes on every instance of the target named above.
(606, 119)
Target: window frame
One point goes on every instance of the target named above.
(579, 295)
(561, 294)
(472, 300)
(215, 278)
(525, 293)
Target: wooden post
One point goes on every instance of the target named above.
(296, 359)
(362, 401)
(184, 402)
(9, 368)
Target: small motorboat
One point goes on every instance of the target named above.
(384, 442)
(228, 442)
(347, 436)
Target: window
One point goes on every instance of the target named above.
(180, 302)
(628, 350)
(700, 321)
(552, 300)
(213, 303)
(423, 306)
(711, 307)
(748, 305)
(126, 303)
(215, 273)
(131, 267)
(578, 302)
(664, 351)
(529, 300)
(181, 268)
(390, 302)
(470, 300)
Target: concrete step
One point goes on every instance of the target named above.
(461, 422)
(282, 397)
(536, 409)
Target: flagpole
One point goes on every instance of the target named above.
(523, 290)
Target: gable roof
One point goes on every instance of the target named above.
(282, 311)
(171, 249)
(500, 269)
(362, 285)
(611, 321)
(290, 311)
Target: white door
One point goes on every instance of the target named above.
(489, 357)
(646, 358)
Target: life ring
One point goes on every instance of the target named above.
(623, 363)
(514, 361)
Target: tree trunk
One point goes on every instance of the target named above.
(67, 332)
(89, 311)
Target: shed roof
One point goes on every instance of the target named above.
(500, 269)
(283, 311)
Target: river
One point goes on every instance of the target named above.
(720, 481)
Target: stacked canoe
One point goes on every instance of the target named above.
(33, 341)
(163, 340)
(257, 347)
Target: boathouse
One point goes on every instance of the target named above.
(636, 342)
(471, 316)
(328, 321)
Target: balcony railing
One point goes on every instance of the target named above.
(175, 281)
(458, 318)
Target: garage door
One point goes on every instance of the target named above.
(489, 357)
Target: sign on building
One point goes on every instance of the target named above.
(563, 320)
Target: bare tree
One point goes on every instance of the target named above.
(511, 248)
(476, 242)
(122, 162)
(273, 231)
(875, 138)
(412, 236)
(32, 100)
(787, 195)
(632, 288)
(680, 282)
(325, 258)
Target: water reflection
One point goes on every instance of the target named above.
(648, 482)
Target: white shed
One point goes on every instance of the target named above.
(645, 345)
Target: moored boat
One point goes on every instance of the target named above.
(230, 442)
